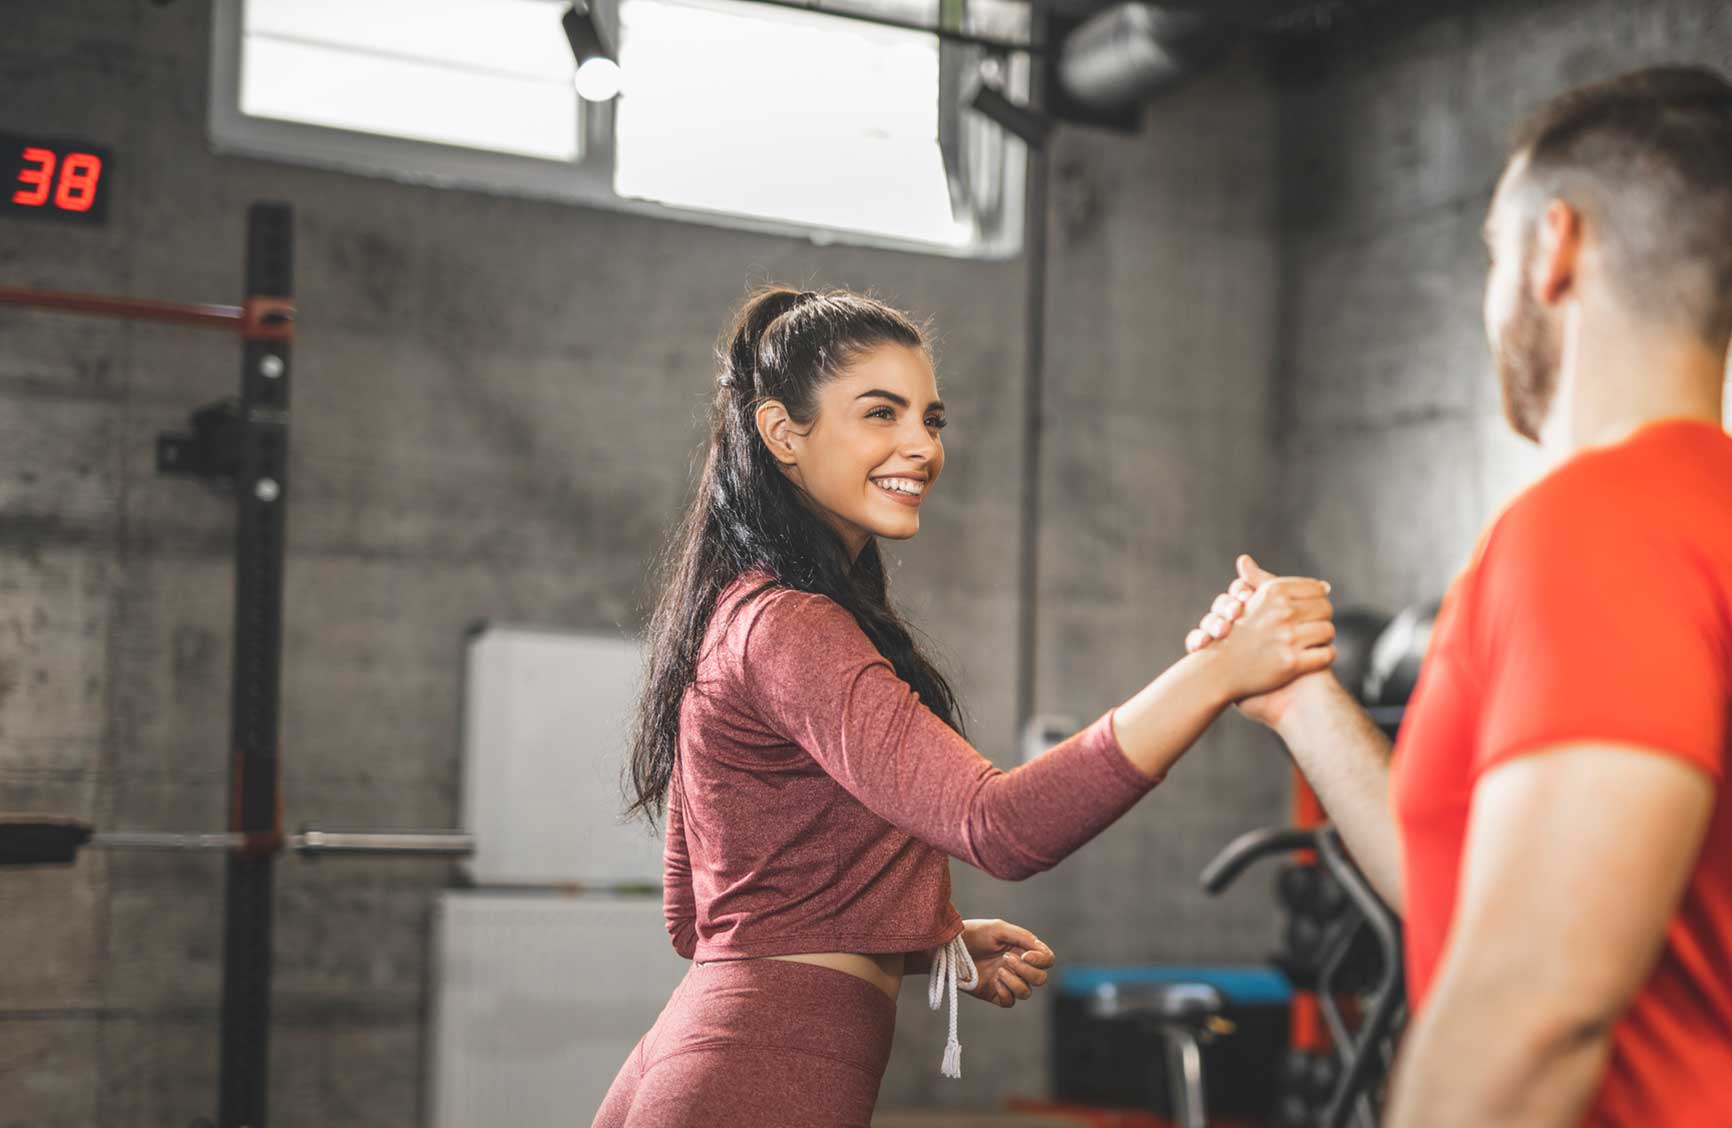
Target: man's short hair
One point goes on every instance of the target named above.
(1647, 159)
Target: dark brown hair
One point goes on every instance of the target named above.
(746, 515)
(1647, 158)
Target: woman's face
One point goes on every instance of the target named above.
(873, 454)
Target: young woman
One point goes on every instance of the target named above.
(810, 757)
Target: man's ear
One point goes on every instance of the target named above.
(1559, 252)
(776, 429)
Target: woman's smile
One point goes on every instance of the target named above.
(903, 489)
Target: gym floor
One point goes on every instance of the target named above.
(1260, 331)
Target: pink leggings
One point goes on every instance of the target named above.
(769, 1043)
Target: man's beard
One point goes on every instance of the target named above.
(1528, 358)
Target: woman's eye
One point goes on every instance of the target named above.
(937, 423)
(880, 413)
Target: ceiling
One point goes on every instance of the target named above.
(1282, 16)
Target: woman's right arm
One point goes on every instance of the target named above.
(814, 677)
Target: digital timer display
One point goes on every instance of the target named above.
(53, 178)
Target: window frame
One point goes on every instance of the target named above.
(587, 181)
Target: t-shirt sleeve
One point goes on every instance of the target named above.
(815, 678)
(1597, 623)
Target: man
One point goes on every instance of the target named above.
(1553, 825)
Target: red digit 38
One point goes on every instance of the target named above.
(79, 173)
(37, 178)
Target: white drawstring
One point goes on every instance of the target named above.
(948, 965)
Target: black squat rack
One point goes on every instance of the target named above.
(241, 444)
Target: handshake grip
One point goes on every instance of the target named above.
(1278, 628)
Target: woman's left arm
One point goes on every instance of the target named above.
(1010, 960)
(679, 902)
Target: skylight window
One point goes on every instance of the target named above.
(744, 108)
(732, 113)
(483, 74)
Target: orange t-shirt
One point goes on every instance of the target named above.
(1598, 607)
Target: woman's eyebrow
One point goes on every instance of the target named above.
(899, 401)
(880, 393)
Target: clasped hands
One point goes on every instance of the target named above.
(1285, 618)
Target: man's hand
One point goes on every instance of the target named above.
(1011, 961)
(1264, 708)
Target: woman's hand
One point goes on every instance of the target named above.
(1229, 608)
(1268, 630)
(1011, 960)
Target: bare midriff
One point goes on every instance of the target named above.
(883, 971)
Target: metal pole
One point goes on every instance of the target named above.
(310, 842)
(1185, 1077)
(255, 804)
(1033, 398)
(423, 843)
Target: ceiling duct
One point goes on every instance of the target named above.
(1284, 16)
(1131, 52)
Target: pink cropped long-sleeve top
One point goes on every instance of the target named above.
(815, 797)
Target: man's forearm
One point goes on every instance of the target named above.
(1345, 758)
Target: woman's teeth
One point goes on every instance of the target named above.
(907, 486)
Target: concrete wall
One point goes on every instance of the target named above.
(495, 410)
(1394, 452)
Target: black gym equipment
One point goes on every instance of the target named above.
(1185, 1015)
(1357, 630)
(242, 446)
(1351, 949)
(1393, 669)
(1397, 654)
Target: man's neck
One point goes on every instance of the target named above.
(1618, 375)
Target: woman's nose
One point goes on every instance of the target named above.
(919, 443)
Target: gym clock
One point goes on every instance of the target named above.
(53, 178)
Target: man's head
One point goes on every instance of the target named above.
(1621, 190)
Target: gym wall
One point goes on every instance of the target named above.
(1394, 447)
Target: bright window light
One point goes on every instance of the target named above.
(495, 75)
(740, 108)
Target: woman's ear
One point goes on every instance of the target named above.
(776, 429)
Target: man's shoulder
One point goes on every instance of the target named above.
(1619, 518)
(1659, 483)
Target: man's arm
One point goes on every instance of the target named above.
(1576, 859)
(1343, 754)
(1345, 758)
